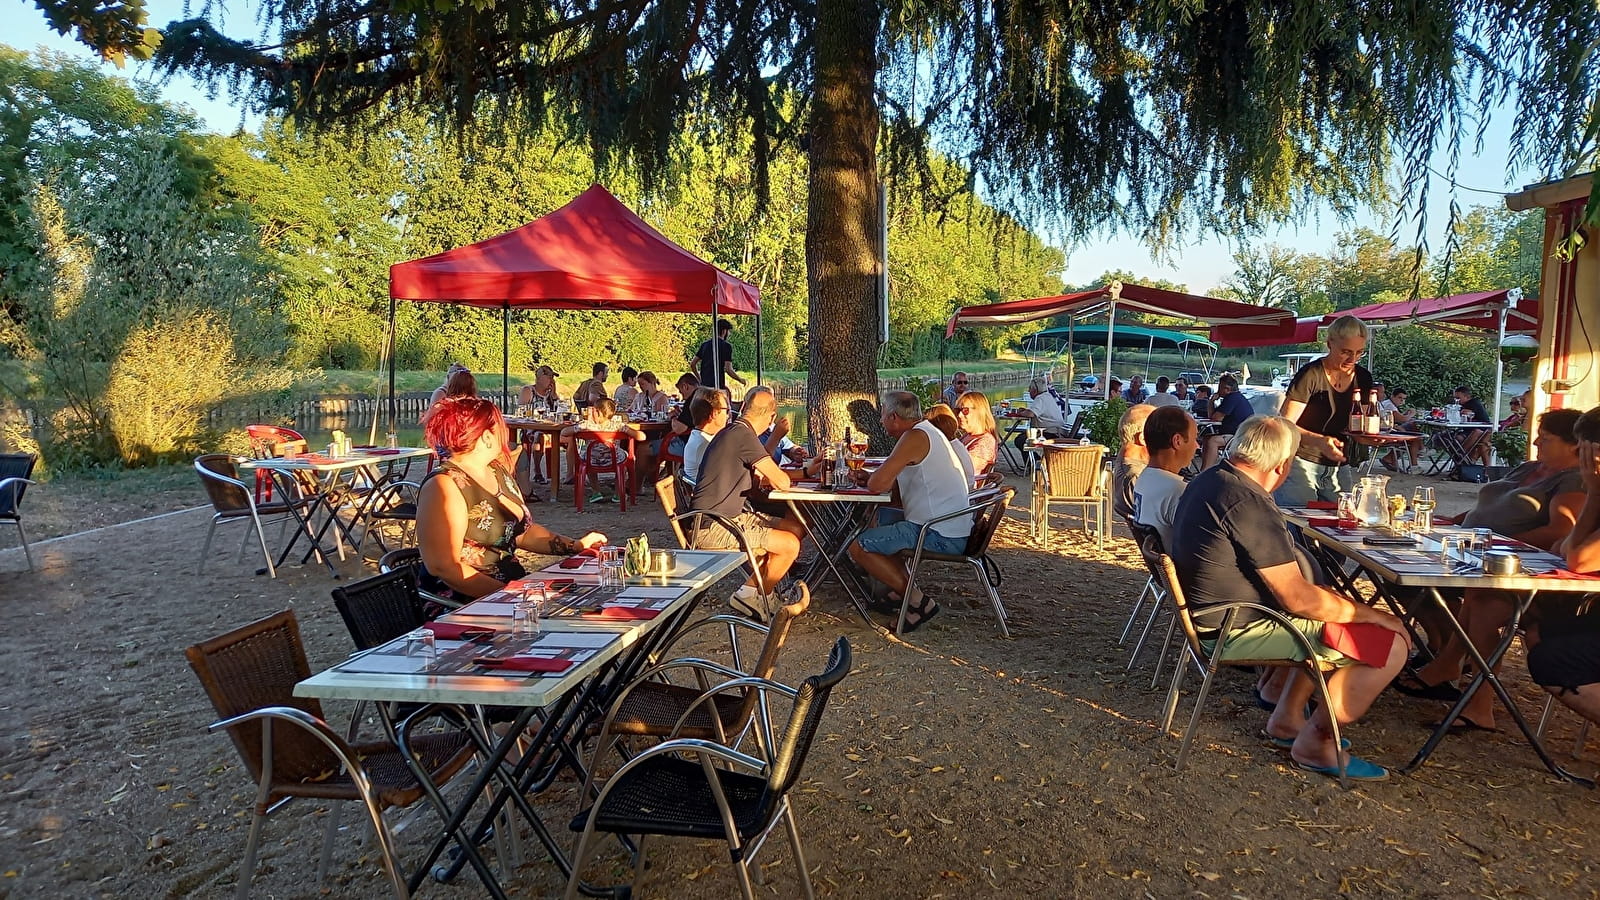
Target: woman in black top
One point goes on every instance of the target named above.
(1318, 402)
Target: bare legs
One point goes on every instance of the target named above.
(1483, 615)
(1351, 691)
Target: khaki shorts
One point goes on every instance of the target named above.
(1267, 639)
(756, 528)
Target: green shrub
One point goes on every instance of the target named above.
(1100, 422)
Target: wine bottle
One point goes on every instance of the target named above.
(1357, 414)
(1372, 423)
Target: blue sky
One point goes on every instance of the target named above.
(1201, 264)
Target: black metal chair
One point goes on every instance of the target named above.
(16, 472)
(410, 559)
(290, 750)
(379, 609)
(986, 508)
(395, 502)
(675, 789)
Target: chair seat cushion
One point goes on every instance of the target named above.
(654, 707)
(670, 796)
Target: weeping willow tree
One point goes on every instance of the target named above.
(1159, 119)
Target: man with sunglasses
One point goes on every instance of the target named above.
(958, 386)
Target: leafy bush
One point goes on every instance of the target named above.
(1511, 445)
(1430, 364)
(1100, 422)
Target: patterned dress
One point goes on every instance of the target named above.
(489, 544)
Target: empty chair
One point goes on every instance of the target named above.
(16, 472)
(698, 788)
(268, 441)
(410, 559)
(394, 502)
(1070, 476)
(290, 750)
(987, 509)
(233, 500)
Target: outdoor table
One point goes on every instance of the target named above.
(1450, 437)
(528, 428)
(832, 519)
(604, 653)
(1383, 441)
(327, 472)
(1422, 568)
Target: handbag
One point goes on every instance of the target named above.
(1473, 473)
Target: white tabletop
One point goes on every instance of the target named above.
(356, 460)
(1420, 566)
(814, 493)
(1440, 423)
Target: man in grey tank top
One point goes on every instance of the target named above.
(930, 482)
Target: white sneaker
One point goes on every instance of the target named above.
(748, 602)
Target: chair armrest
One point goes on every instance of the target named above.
(738, 536)
(699, 665)
(761, 685)
(15, 484)
(1231, 610)
(319, 729)
(733, 622)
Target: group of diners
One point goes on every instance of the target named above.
(1229, 541)
(930, 472)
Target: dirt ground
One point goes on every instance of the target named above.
(957, 763)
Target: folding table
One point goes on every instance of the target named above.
(832, 519)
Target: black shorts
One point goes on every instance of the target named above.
(1568, 655)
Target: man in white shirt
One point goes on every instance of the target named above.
(1171, 438)
(709, 411)
(1161, 397)
(1047, 410)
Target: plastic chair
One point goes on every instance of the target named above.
(16, 473)
(987, 509)
(268, 441)
(290, 750)
(231, 499)
(1209, 661)
(621, 466)
(677, 789)
(1070, 476)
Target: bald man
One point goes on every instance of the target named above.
(1131, 459)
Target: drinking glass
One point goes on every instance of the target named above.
(1422, 505)
(611, 559)
(1482, 539)
(420, 641)
(1347, 508)
(1451, 549)
(531, 606)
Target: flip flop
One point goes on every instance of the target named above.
(1355, 769)
(1286, 743)
(1263, 702)
(1462, 725)
(1444, 690)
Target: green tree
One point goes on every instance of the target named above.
(1492, 248)
(114, 28)
(1430, 363)
(1366, 264)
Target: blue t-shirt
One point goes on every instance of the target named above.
(1235, 409)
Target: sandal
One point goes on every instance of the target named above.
(924, 611)
(1412, 686)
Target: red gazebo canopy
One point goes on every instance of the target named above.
(1477, 310)
(1138, 297)
(593, 253)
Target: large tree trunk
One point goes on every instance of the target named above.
(842, 225)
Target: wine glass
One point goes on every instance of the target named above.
(1422, 506)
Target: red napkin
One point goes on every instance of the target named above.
(1565, 573)
(1323, 522)
(524, 663)
(376, 452)
(452, 631)
(623, 612)
(1361, 641)
(1321, 504)
(574, 562)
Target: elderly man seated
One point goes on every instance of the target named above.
(1047, 410)
(1230, 543)
(1131, 459)
(929, 481)
(733, 462)
(1170, 439)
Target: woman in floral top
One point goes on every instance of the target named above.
(471, 519)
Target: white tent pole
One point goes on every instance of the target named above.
(1499, 364)
(1111, 327)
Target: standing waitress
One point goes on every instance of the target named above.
(1318, 402)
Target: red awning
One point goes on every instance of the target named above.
(593, 253)
(1204, 310)
(1297, 331)
(1477, 310)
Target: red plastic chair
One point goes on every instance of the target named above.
(267, 442)
(621, 466)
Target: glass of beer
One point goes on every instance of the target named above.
(1422, 505)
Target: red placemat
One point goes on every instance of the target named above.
(452, 631)
(622, 612)
(524, 663)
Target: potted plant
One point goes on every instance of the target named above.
(1100, 422)
(1510, 449)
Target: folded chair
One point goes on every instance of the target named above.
(1070, 476)
(722, 710)
(986, 508)
(233, 500)
(1208, 661)
(689, 787)
(291, 751)
(16, 470)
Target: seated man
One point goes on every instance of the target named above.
(732, 459)
(1404, 421)
(1161, 397)
(1203, 406)
(1229, 544)
(1136, 392)
(709, 409)
(1180, 391)
(1170, 438)
(1047, 411)
(1475, 441)
(1229, 411)
(926, 474)
(682, 424)
(1131, 459)
(958, 386)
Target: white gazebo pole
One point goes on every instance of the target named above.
(1114, 292)
(1499, 363)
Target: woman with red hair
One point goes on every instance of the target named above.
(471, 519)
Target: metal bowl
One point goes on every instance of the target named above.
(663, 562)
(1500, 562)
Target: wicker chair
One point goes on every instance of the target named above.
(1208, 661)
(987, 508)
(667, 494)
(289, 749)
(16, 472)
(410, 559)
(677, 789)
(652, 707)
(232, 500)
(1070, 476)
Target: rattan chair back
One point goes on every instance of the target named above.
(379, 609)
(667, 494)
(219, 474)
(258, 666)
(1072, 473)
